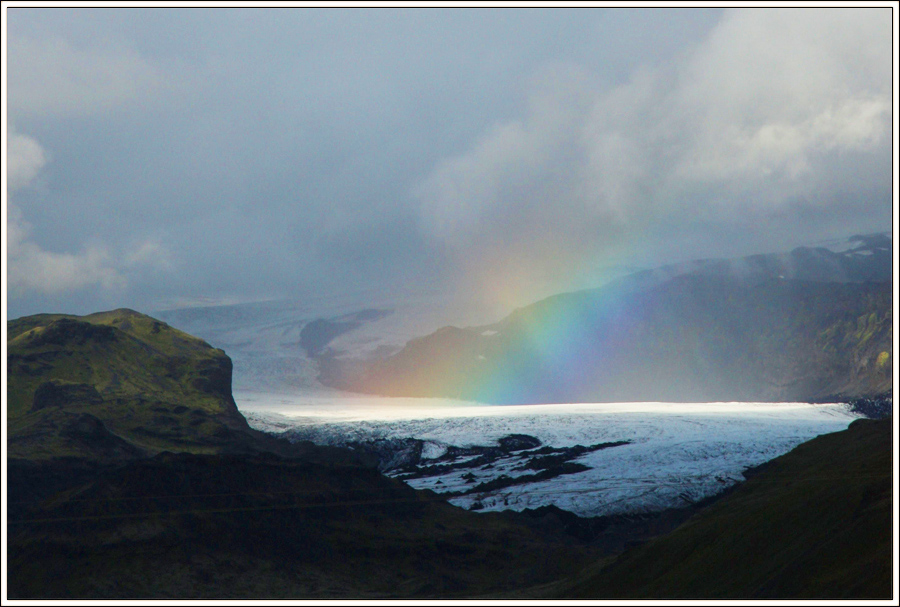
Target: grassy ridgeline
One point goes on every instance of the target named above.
(814, 523)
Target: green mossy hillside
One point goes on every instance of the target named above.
(814, 523)
(85, 386)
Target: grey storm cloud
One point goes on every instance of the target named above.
(159, 156)
(748, 128)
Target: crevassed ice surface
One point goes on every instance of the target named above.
(679, 452)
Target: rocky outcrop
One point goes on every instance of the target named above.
(70, 331)
(60, 393)
(144, 382)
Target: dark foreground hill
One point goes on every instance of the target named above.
(239, 526)
(131, 474)
(814, 523)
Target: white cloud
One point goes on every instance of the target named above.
(465, 190)
(53, 77)
(771, 89)
(32, 268)
(753, 119)
(25, 159)
(148, 252)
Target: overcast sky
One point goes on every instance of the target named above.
(166, 156)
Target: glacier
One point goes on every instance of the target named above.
(676, 453)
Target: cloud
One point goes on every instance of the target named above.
(25, 159)
(296, 152)
(463, 191)
(771, 91)
(751, 124)
(52, 77)
(33, 269)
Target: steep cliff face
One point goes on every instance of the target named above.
(120, 375)
(694, 337)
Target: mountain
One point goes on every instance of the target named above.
(805, 326)
(327, 341)
(859, 258)
(131, 474)
(279, 345)
(814, 523)
(117, 385)
(114, 492)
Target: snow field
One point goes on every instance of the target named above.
(679, 452)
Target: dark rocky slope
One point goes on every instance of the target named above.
(814, 523)
(262, 526)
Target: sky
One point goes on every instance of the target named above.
(158, 158)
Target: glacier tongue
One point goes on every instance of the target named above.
(676, 453)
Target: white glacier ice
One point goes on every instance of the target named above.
(679, 452)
